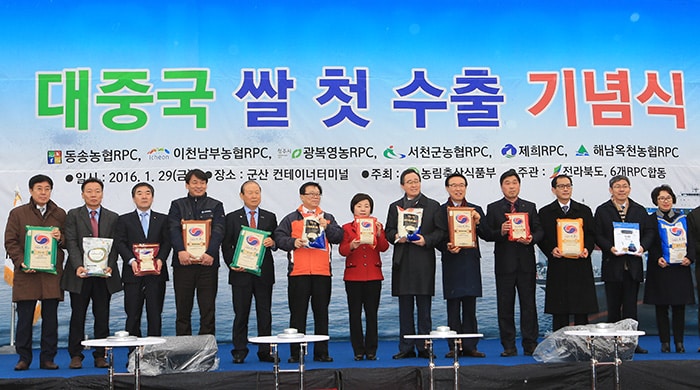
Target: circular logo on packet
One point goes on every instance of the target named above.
(42, 239)
(571, 229)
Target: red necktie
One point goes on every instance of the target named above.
(93, 222)
(252, 223)
(512, 207)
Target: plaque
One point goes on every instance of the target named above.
(409, 221)
(195, 236)
(96, 255)
(461, 227)
(250, 250)
(366, 228)
(40, 249)
(145, 255)
(626, 236)
(570, 237)
(519, 226)
(674, 239)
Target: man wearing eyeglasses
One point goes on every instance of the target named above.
(570, 285)
(309, 270)
(622, 272)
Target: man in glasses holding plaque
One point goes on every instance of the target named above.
(33, 241)
(143, 242)
(306, 234)
(250, 280)
(91, 272)
(461, 263)
(197, 225)
(623, 233)
(515, 228)
(415, 227)
(569, 239)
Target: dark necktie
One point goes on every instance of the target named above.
(565, 209)
(512, 207)
(93, 223)
(252, 223)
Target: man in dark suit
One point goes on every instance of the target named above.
(570, 284)
(89, 220)
(461, 271)
(621, 272)
(245, 285)
(514, 266)
(413, 263)
(143, 226)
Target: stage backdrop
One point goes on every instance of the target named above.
(348, 96)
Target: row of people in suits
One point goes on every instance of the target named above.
(569, 286)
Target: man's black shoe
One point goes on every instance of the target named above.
(239, 356)
(425, 354)
(640, 350)
(293, 359)
(509, 353)
(266, 357)
(404, 355)
(473, 353)
(324, 359)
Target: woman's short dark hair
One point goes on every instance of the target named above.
(359, 198)
(657, 191)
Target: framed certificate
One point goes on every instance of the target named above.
(626, 236)
(250, 250)
(145, 255)
(40, 249)
(519, 226)
(195, 236)
(96, 255)
(570, 237)
(366, 228)
(461, 227)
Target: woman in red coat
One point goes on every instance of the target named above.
(363, 274)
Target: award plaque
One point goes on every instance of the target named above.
(570, 237)
(409, 222)
(461, 227)
(195, 236)
(519, 226)
(96, 255)
(366, 230)
(40, 249)
(626, 237)
(145, 255)
(674, 240)
(250, 250)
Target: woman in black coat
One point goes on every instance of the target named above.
(669, 282)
